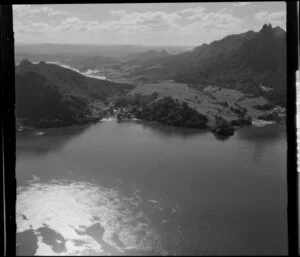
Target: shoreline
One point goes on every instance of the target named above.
(255, 123)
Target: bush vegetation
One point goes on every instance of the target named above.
(166, 110)
(172, 112)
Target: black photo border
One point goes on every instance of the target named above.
(8, 123)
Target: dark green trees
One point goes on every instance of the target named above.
(172, 112)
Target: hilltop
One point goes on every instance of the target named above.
(49, 95)
(247, 62)
(146, 55)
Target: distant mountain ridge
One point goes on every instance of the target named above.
(243, 61)
(79, 50)
(146, 55)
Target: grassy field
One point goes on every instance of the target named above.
(211, 101)
(249, 102)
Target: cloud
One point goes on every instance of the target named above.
(137, 22)
(195, 25)
(216, 19)
(29, 11)
(27, 26)
(146, 17)
(55, 13)
(212, 25)
(180, 26)
(241, 4)
(96, 26)
(71, 23)
(32, 27)
(117, 12)
(124, 22)
(71, 20)
(275, 18)
(198, 9)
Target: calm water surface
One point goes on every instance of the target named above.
(141, 188)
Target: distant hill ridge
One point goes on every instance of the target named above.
(146, 55)
(77, 50)
(50, 95)
(243, 61)
(69, 81)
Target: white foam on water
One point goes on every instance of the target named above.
(66, 207)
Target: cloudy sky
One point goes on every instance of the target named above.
(146, 24)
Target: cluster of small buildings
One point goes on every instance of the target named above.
(124, 113)
(281, 113)
(265, 89)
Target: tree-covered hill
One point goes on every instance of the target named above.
(247, 62)
(50, 95)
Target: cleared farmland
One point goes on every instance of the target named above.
(212, 101)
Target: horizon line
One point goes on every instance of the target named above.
(106, 44)
(128, 44)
